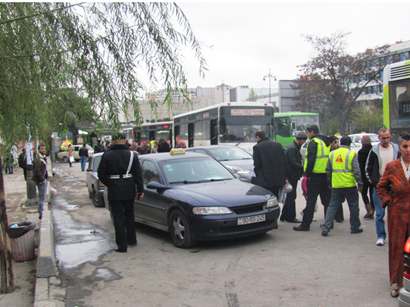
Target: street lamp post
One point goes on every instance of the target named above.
(269, 76)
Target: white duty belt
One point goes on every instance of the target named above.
(127, 174)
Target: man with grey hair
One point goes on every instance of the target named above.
(343, 175)
(379, 156)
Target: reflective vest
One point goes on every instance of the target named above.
(342, 168)
(322, 156)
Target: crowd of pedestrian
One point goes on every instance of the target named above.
(336, 173)
(330, 169)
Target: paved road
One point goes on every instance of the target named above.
(281, 268)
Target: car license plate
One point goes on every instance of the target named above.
(251, 219)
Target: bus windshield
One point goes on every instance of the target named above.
(300, 123)
(243, 129)
(400, 104)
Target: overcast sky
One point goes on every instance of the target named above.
(243, 40)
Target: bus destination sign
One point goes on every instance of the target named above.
(247, 112)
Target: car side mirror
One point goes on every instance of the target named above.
(156, 185)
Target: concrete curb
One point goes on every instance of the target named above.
(48, 291)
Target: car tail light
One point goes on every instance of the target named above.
(407, 259)
(100, 184)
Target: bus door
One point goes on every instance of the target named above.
(151, 135)
(191, 135)
(138, 137)
(177, 131)
(214, 132)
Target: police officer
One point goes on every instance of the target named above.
(344, 176)
(317, 155)
(120, 171)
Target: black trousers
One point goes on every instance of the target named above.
(316, 185)
(289, 208)
(124, 223)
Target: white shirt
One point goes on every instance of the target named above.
(386, 155)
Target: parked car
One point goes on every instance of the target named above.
(94, 185)
(236, 159)
(194, 197)
(63, 154)
(357, 138)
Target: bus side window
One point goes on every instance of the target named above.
(283, 127)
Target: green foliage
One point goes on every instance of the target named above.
(329, 82)
(330, 126)
(369, 119)
(73, 63)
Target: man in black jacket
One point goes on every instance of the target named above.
(120, 171)
(294, 160)
(269, 161)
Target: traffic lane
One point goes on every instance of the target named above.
(280, 268)
(283, 267)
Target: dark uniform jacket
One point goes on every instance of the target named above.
(269, 161)
(115, 162)
(294, 160)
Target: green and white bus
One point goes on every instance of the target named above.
(232, 123)
(289, 124)
(396, 98)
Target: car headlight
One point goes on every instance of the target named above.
(272, 202)
(211, 210)
(238, 170)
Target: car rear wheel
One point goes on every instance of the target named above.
(97, 200)
(65, 159)
(180, 230)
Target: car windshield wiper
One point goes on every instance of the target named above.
(185, 182)
(219, 179)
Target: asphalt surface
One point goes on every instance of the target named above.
(282, 268)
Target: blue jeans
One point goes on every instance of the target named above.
(42, 188)
(83, 161)
(9, 169)
(380, 211)
(338, 196)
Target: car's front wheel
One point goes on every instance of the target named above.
(180, 230)
(65, 159)
(97, 200)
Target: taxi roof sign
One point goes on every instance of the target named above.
(177, 151)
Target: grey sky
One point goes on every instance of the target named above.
(242, 40)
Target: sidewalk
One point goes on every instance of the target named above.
(47, 290)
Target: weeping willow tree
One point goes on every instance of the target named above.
(107, 53)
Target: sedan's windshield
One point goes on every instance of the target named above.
(194, 171)
(227, 154)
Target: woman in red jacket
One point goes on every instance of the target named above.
(394, 192)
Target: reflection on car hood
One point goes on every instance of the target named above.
(245, 164)
(229, 193)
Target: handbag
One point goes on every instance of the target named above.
(71, 159)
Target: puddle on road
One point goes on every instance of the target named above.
(106, 274)
(77, 242)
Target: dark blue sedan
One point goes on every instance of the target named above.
(194, 197)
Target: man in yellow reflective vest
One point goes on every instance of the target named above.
(317, 155)
(344, 177)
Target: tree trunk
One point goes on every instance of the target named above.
(6, 274)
